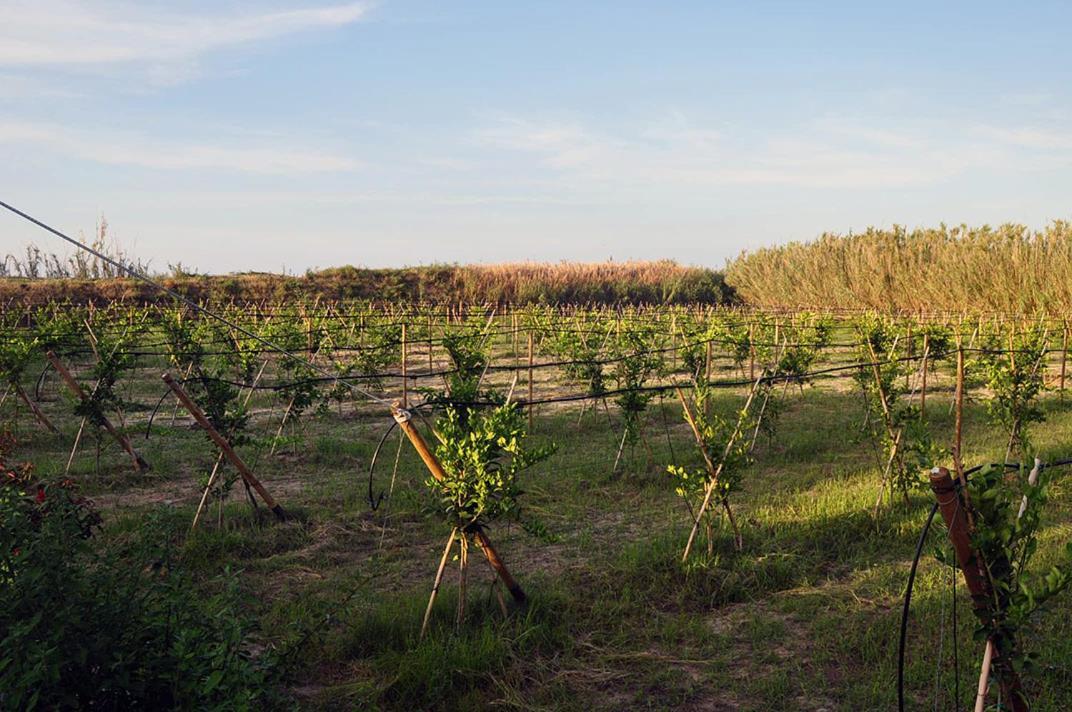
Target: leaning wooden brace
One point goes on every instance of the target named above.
(404, 418)
(952, 505)
(224, 446)
(76, 388)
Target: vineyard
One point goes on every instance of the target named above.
(353, 504)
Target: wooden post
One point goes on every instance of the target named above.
(958, 428)
(431, 366)
(76, 388)
(530, 381)
(224, 446)
(953, 506)
(404, 420)
(405, 375)
(910, 353)
(1064, 358)
(34, 408)
(517, 357)
(751, 352)
(673, 341)
(923, 382)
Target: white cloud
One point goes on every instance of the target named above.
(825, 153)
(61, 32)
(134, 150)
(1028, 137)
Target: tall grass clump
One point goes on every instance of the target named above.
(1008, 269)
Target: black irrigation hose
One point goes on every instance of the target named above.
(373, 500)
(41, 380)
(915, 565)
(152, 416)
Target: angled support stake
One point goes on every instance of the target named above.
(76, 388)
(224, 446)
(404, 420)
(35, 409)
(953, 507)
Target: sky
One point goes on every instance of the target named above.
(290, 135)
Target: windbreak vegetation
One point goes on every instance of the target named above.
(1008, 269)
(41, 276)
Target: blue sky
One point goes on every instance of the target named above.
(288, 134)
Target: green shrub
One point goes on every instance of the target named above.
(84, 626)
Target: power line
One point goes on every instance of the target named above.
(186, 300)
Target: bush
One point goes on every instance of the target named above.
(82, 626)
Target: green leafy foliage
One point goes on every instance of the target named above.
(84, 627)
(482, 457)
(638, 353)
(1007, 542)
(908, 447)
(1011, 367)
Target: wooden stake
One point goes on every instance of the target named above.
(714, 471)
(517, 356)
(405, 375)
(751, 353)
(35, 409)
(404, 420)
(224, 446)
(76, 388)
(1064, 358)
(530, 381)
(923, 382)
(438, 581)
(463, 576)
(208, 488)
(958, 429)
(953, 505)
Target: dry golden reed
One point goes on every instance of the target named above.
(1009, 269)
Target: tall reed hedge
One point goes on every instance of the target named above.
(1008, 269)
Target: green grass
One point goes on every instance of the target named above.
(805, 617)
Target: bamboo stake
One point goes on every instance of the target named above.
(208, 488)
(438, 581)
(74, 447)
(895, 436)
(224, 446)
(984, 678)
(463, 576)
(715, 471)
(76, 388)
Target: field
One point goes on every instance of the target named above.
(804, 615)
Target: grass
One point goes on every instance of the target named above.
(610, 283)
(804, 618)
(1008, 269)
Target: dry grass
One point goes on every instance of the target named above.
(662, 282)
(1009, 269)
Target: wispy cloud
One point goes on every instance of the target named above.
(822, 153)
(136, 150)
(60, 32)
(1033, 137)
